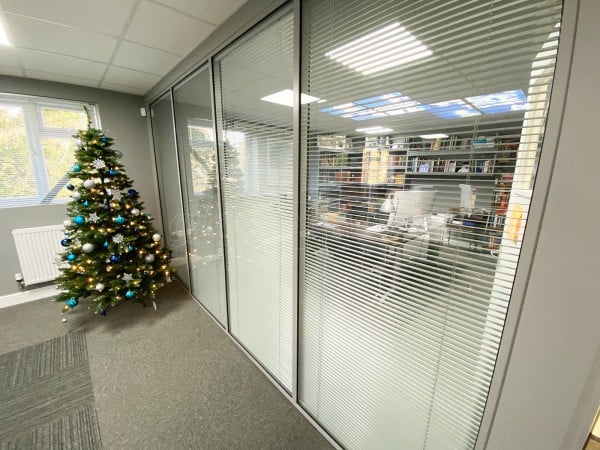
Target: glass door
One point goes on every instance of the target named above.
(169, 187)
(253, 82)
(198, 161)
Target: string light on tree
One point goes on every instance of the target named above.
(108, 237)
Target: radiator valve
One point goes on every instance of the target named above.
(19, 279)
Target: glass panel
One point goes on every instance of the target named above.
(169, 186)
(59, 157)
(257, 163)
(16, 178)
(61, 118)
(197, 152)
(420, 165)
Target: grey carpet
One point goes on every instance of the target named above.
(47, 398)
(168, 379)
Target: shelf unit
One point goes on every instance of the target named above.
(343, 173)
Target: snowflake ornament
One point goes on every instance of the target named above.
(127, 277)
(117, 196)
(98, 164)
(117, 238)
(93, 218)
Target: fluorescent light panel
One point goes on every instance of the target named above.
(286, 98)
(390, 46)
(434, 136)
(374, 130)
(3, 35)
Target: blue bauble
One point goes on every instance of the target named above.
(70, 187)
(115, 258)
(65, 242)
(79, 220)
(112, 172)
(86, 203)
(72, 302)
(76, 168)
(130, 247)
(129, 294)
(106, 207)
(102, 312)
(104, 140)
(132, 192)
(119, 220)
(144, 274)
(105, 245)
(71, 257)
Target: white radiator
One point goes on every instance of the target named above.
(38, 250)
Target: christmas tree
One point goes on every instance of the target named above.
(112, 252)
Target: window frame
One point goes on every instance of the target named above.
(35, 132)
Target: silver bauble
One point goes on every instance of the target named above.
(87, 248)
(135, 212)
(76, 195)
(99, 287)
(149, 258)
(156, 237)
(89, 184)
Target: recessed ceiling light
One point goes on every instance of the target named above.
(390, 46)
(374, 130)
(433, 136)
(286, 98)
(3, 35)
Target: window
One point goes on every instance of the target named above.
(37, 148)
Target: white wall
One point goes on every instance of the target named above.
(551, 383)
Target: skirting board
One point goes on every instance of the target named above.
(27, 296)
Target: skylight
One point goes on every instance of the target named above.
(453, 109)
(501, 102)
(286, 98)
(396, 103)
(390, 46)
(373, 107)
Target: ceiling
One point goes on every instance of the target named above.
(119, 45)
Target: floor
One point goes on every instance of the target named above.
(169, 378)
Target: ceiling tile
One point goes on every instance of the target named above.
(121, 88)
(61, 78)
(106, 16)
(39, 35)
(160, 27)
(49, 62)
(8, 57)
(14, 71)
(132, 78)
(211, 11)
(145, 59)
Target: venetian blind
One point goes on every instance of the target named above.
(420, 140)
(253, 81)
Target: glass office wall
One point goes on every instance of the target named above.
(198, 161)
(420, 138)
(254, 120)
(161, 113)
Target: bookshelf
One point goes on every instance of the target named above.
(359, 172)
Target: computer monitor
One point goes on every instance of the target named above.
(410, 207)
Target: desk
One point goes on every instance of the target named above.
(356, 239)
